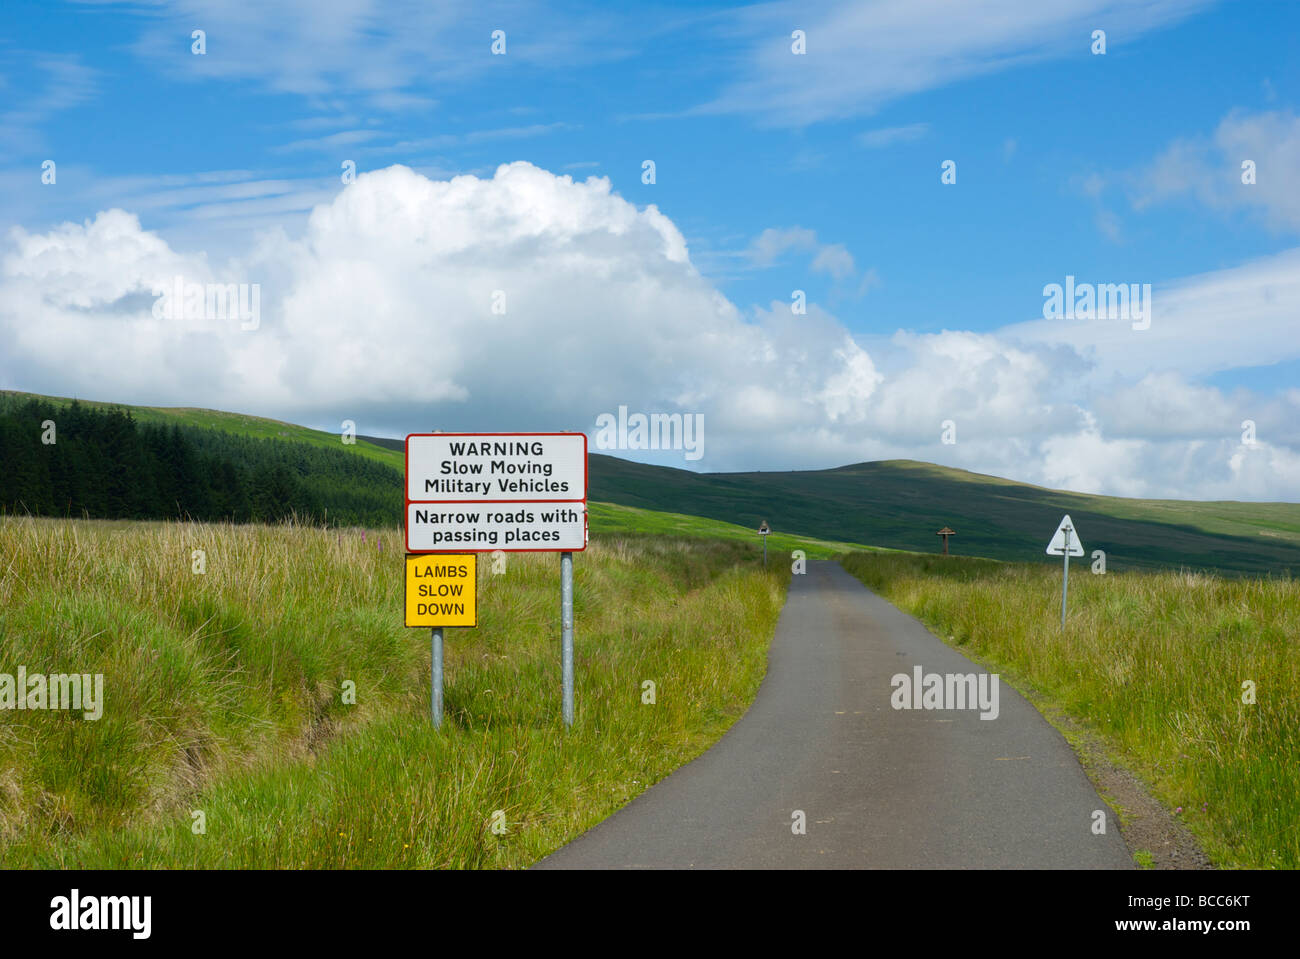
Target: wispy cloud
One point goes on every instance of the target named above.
(863, 55)
(191, 207)
(888, 136)
(383, 54)
(67, 83)
(833, 259)
(332, 141)
(1214, 169)
(769, 245)
(444, 141)
(1109, 225)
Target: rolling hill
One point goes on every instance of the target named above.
(897, 504)
(901, 504)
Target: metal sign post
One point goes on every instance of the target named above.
(764, 531)
(1067, 545)
(441, 591)
(1065, 578)
(566, 635)
(436, 671)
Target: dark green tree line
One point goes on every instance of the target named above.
(104, 464)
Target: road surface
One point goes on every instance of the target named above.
(879, 787)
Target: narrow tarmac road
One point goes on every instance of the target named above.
(879, 787)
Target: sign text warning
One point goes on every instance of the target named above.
(485, 467)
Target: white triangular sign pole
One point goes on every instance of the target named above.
(1065, 543)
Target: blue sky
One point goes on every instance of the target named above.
(818, 172)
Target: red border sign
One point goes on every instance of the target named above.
(407, 501)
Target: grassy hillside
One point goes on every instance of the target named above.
(106, 464)
(1154, 663)
(897, 504)
(901, 504)
(224, 694)
(255, 427)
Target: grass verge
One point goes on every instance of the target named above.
(223, 694)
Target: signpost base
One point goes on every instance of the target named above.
(1065, 588)
(566, 633)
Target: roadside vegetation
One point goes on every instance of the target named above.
(224, 694)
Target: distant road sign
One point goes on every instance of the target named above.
(442, 590)
(944, 534)
(1065, 533)
(496, 467)
(516, 527)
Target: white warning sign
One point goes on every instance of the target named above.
(487, 527)
(496, 467)
(1065, 540)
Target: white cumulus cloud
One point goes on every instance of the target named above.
(380, 309)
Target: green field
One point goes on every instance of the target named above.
(224, 694)
(611, 518)
(1154, 663)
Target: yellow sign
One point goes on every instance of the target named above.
(442, 590)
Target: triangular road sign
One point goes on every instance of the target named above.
(1057, 547)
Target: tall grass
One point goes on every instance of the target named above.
(223, 695)
(1155, 663)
